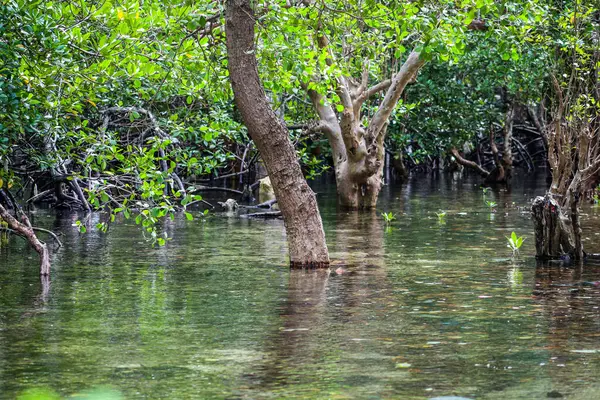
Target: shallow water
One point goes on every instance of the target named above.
(421, 309)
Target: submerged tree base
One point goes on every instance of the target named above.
(554, 234)
(309, 265)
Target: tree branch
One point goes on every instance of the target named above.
(467, 163)
(367, 93)
(24, 229)
(410, 67)
(329, 124)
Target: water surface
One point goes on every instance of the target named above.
(423, 308)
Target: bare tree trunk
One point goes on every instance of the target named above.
(573, 142)
(553, 230)
(497, 174)
(305, 235)
(24, 229)
(573, 158)
(355, 190)
(398, 164)
(358, 150)
(507, 157)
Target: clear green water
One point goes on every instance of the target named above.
(422, 309)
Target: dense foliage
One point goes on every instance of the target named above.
(130, 101)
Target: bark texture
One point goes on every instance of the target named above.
(24, 229)
(553, 230)
(358, 150)
(305, 236)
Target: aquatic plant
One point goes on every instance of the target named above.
(485, 190)
(491, 204)
(388, 217)
(441, 216)
(515, 242)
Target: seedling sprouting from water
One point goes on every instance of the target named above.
(485, 190)
(388, 217)
(514, 243)
(491, 204)
(441, 216)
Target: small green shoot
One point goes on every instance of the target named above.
(81, 226)
(441, 216)
(485, 190)
(491, 204)
(514, 243)
(388, 217)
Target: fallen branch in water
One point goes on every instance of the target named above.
(38, 196)
(266, 214)
(54, 235)
(24, 228)
(467, 163)
(215, 189)
(200, 201)
(267, 204)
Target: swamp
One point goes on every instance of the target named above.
(299, 199)
(424, 308)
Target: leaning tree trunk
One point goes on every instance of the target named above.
(23, 229)
(306, 239)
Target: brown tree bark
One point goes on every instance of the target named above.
(24, 229)
(297, 202)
